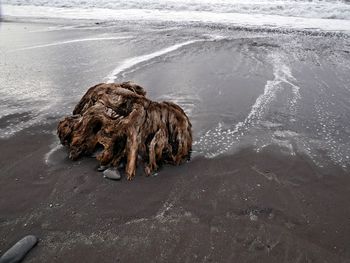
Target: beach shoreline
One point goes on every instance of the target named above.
(268, 181)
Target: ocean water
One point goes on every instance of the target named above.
(281, 80)
(333, 9)
(330, 15)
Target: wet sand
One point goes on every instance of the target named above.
(265, 199)
(247, 207)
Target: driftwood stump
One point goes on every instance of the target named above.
(119, 119)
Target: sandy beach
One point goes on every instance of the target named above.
(269, 179)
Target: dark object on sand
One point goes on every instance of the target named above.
(19, 250)
(121, 120)
(102, 168)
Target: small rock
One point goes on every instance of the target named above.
(253, 217)
(17, 252)
(112, 174)
(51, 205)
(102, 168)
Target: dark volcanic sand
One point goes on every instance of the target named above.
(271, 111)
(248, 207)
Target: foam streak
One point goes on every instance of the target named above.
(73, 41)
(128, 63)
(219, 140)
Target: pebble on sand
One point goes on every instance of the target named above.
(102, 168)
(18, 251)
(112, 174)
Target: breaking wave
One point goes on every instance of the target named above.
(329, 9)
(326, 15)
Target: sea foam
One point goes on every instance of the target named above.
(221, 139)
(73, 41)
(131, 62)
(333, 9)
(326, 22)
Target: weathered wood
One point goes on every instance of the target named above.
(120, 119)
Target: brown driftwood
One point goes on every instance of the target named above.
(119, 119)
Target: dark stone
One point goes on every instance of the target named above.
(18, 251)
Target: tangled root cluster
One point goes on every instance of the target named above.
(119, 119)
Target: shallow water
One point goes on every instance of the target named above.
(239, 88)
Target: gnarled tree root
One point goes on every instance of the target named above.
(126, 124)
